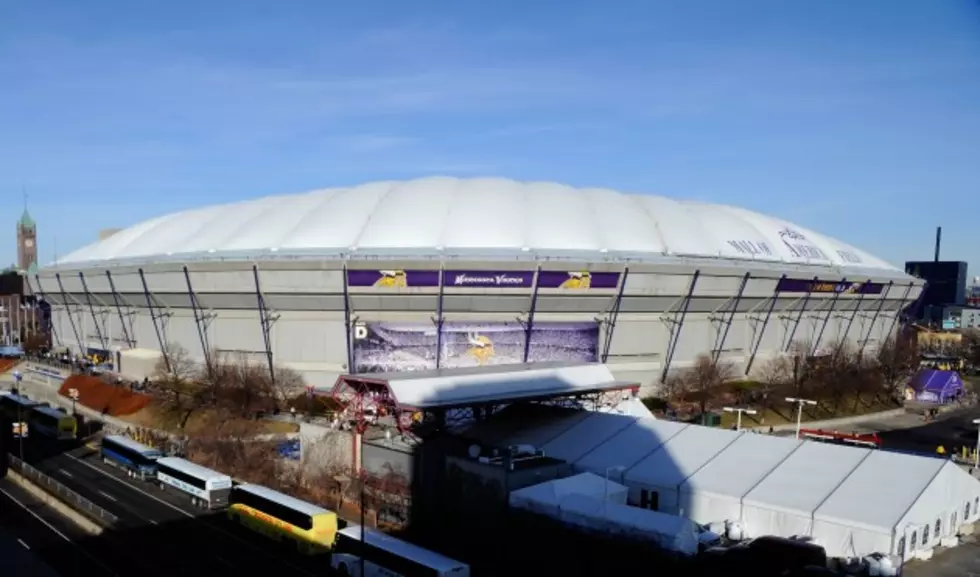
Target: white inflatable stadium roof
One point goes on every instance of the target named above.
(490, 218)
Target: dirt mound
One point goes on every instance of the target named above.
(99, 395)
(7, 364)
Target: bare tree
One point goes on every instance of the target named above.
(775, 374)
(971, 347)
(674, 388)
(176, 375)
(703, 380)
(897, 360)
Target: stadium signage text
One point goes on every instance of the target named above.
(795, 285)
(800, 246)
(487, 279)
(548, 279)
(749, 247)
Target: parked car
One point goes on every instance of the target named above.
(766, 556)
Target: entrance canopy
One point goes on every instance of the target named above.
(486, 385)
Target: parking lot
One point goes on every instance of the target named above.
(961, 561)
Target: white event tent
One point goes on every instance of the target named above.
(853, 501)
(548, 498)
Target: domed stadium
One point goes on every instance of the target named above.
(446, 272)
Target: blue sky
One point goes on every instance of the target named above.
(858, 119)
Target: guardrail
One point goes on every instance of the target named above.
(71, 498)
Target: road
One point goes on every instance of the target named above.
(160, 534)
(40, 532)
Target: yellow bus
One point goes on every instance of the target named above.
(311, 530)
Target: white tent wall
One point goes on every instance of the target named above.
(762, 519)
(783, 502)
(664, 470)
(667, 531)
(943, 506)
(715, 492)
(862, 514)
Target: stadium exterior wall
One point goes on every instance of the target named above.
(306, 305)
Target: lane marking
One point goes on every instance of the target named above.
(60, 534)
(152, 522)
(65, 473)
(204, 523)
(25, 545)
(107, 496)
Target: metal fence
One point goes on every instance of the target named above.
(71, 498)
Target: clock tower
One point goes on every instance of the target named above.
(26, 243)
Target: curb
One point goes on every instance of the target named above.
(50, 500)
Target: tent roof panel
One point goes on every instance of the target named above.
(737, 469)
(630, 445)
(803, 480)
(681, 456)
(880, 490)
(586, 435)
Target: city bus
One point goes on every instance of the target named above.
(53, 423)
(386, 556)
(17, 408)
(207, 488)
(137, 459)
(309, 529)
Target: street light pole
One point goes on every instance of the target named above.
(605, 486)
(738, 412)
(799, 410)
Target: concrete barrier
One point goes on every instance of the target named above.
(835, 423)
(83, 522)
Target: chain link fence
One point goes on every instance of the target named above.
(71, 498)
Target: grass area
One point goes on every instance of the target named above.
(204, 421)
(972, 383)
(784, 413)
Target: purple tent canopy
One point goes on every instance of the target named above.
(935, 386)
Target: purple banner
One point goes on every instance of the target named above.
(395, 278)
(392, 346)
(578, 280)
(487, 279)
(796, 285)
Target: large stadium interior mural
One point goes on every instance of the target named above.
(383, 347)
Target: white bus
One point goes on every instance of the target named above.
(207, 488)
(386, 556)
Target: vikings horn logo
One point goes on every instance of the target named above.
(392, 279)
(481, 348)
(577, 280)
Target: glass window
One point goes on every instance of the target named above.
(925, 535)
(912, 541)
(939, 528)
(976, 505)
(966, 511)
(901, 547)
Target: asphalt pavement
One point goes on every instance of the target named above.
(160, 534)
(37, 541)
